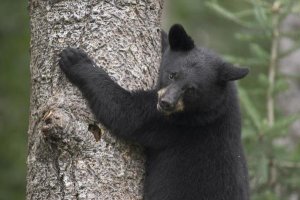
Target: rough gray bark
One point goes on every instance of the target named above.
(69, 156)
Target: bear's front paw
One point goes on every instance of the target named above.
(71, 57)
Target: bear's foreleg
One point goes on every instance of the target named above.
(131, 115)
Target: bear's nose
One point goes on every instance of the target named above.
(165, 105)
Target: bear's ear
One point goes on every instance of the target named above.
(228, 72)
(164, 41)
(179, 40)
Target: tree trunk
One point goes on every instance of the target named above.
(70, 156)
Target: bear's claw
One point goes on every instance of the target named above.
(70, 57)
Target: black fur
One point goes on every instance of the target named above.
(194, 151)
(179, 40)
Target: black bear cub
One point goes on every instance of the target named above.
(190, 125)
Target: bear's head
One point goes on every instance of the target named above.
(191, 78)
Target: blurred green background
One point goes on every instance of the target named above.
(14, 97)
(240, 30)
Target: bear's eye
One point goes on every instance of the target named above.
(172, 75)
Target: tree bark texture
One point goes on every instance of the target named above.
(70, 156)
